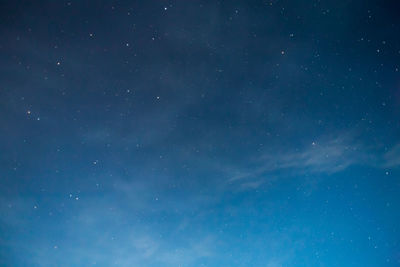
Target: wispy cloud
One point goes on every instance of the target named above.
(392, 157)
(97, 225)
(328, 156)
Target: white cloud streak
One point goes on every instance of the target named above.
(325, 157)
(392, 157)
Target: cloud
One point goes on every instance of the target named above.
(99, 231)
(329, 157)
(326, 157)
(392, 157)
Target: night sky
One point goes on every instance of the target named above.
(200, 133)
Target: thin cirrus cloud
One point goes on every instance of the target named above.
(128, 240)
(392, 157)
(326, 157)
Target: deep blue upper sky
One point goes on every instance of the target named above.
(200, 133)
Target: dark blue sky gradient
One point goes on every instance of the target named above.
(200, 133)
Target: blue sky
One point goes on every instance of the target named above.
(201, 133)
